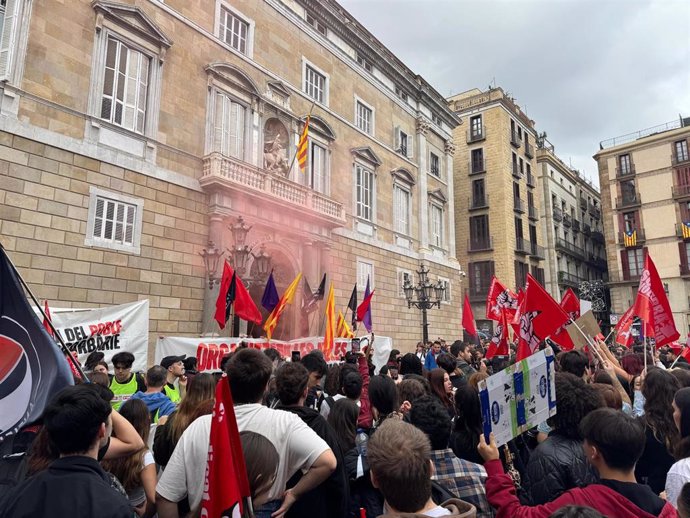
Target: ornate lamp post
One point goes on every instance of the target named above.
(428, 296)
(211, 256)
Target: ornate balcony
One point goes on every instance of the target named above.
(532, 212)
(570, 248)
(247, 179)
(568, 279)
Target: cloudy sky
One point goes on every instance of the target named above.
(584, 70)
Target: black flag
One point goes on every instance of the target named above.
(352, 304)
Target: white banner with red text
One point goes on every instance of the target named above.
(210, 351)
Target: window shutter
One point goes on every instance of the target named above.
(9, 27)
(644, 254)
(625, 264)
(683, 255)
(410, 148)
(396, 135)
(98, 218)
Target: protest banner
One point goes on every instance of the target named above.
(519, 397)
(588, 326)
(210, 351)
(111, 329)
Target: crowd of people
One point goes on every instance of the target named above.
(347, 441)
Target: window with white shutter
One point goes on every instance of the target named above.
(228, 126)
(315, 83)
(401, 209)
(365, 192)
(436, 225)
(365, 270)
(114, 221)
(233, 30)
(364, 117)
(13, 29)
(318, 168)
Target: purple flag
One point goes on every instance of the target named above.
(270, 298)
(367, 316)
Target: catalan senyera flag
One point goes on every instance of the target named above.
(630, 237)
(342, 329)
(272, 319)
(329, 336)
(685, 227)
(303, 146)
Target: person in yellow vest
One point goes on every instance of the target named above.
(124, 383)
(175, 371)
(158, 403)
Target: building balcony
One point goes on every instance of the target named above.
(567, 220)
(518, 205)
(478, 202)
(639, 237)
(557, 214)
(477, 166)
(529, 150)
(476, 136)
(681, 191)
(568, 279)
(576, 225)
(628, 276)
(522, 246)
(516, 171)
(515, 140)
(482, 244)
(679, 230)
(684, 270)
(600, 264)
(597, 212)
(583, 203)
(531, 180)
(586, 229)
(591, 208)
(479, 293)
(625, 172)
(537, 251)
(598, 237)
(532, 212)
(275, 190)
(570, 248)
(680, 159)
(626, 202)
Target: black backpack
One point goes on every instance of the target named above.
(14, 459)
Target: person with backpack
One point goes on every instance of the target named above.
(158, 403)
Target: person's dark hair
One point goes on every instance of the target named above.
(384, 370)
(431, 417)
(682, 375)
(632, 363)
(658, 389)
(576, 399)
(446, 362)
(393, 356)
(261, 459)
(94, 358)
(468, 419)
(456, 347)
(99, 378)
(74, 417)
(683, 501)
(156, 376)
(272, 354)
(291, 380)
(682, 401)
(352, 385)
(436, 380)
(331, 385)
(383, 395)
(224, 361)
(410, 364)
(575, 362)
(315, 363)
(421, 379)
(612, 399)
(619, 438)
(601, 376)
(190, 364)
(342, 417)
(576, 511)
(410, 390)
(124, 358)
(201, 394)
(248, 373)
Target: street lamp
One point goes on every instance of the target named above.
(211, 256)
(428, 296)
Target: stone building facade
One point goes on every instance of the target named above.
(135, 134)
(571, 222)
(645, 195)
(496, 197)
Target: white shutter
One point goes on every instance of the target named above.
(410, 146)
(9, 27)
(396, 143)
(218, 105)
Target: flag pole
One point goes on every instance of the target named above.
(609, 335)
(60, 342)
(590, 342)
(677, 358)
(294, 157)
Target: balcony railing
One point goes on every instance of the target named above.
(597, 236)
(532, 212)
(515, 140)
(639, 237)
(684, 270)
(249, 179)
(478, 202)
(522, 245)
(628, 201)
(476, 136)
(518, 205)
(480, 244)
(531, 180)
(586, 229)
(557, 214)
(591, 208)
(568, 279)
(576, 225)
(624, 172)
(529, 150)
(479, 293)
(630, 276)
(681, 191)
(567, 220)
(600, 263)
(569, 248)
(477, 166)
(583, 203)
(680, 158)
(537, 251)
(679, 229)
(516, 171)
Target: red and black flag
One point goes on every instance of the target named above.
(232, 291)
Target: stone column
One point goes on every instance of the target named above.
(449, 152)
(422, 129)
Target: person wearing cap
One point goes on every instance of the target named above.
(124, 382)
(175, 367)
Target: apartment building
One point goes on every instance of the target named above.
(497, 204)
(139, 138)
(645, 195)
(571, 223)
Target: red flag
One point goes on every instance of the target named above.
(540, 316)
(364, 306)
(468, 322)
(652, 306)
(244, 305)
(624, 327)
(222, 303)
(47, 319)
(226, 481)
(499, 341)
(571, 304)
(500, 298)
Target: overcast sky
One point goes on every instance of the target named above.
(584, 70)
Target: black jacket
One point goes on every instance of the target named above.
(362, 493)
(163, 444)
(71, 486)
(556, 465)
(654, 464)
(330, 499)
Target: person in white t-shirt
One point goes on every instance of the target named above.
(400, 467)
(298, 446)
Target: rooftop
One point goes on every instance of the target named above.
(648, 132)
(476, 97)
